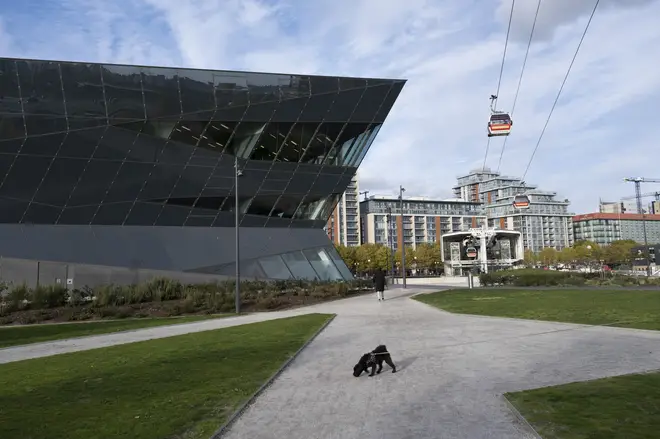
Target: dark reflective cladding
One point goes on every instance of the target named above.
(84, 143)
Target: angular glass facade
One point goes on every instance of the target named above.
(109, 145)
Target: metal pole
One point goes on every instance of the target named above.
(237, 293)
(403, 239)
(640, 210)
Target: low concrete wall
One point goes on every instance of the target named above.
(456, 281)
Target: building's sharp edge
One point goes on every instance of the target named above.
(220, 432)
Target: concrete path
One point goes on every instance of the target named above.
(453, 370)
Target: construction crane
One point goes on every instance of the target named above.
(646, 195)
(365, 193)
(638, 198)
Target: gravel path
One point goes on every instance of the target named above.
(453, 370)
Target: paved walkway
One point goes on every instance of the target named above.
(453, 370)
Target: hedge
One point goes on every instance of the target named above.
(543, 278)
(47, 302)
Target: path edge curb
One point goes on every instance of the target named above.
(239, 412)
(521, 418)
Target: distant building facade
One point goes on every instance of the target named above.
(546, 223)
(423, 220)
(603, 228)
(343, 226)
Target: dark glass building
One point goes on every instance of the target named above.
(128, 166)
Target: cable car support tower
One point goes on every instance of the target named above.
(638, 198)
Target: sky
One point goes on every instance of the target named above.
(450, 51)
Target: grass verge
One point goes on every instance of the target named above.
(177, 387)
(21, 335)
(624, 308)
(619, 407)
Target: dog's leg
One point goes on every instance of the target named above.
(380, 366)
(388, 360)
(373, 370)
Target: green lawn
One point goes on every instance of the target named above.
(20, 335)
(184, 386)
(632, 308)
(626, 407)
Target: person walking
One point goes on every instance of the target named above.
(379, 284)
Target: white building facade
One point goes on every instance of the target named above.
(343, 227)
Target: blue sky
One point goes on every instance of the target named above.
(603, 129)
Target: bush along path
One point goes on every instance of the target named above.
(163, 298)
(553, 278)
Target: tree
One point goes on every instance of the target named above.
(548, 256)
(410, 257)
(428, 256)
(587, 252)
(567, 255)
(619, 252)
(348, 254)
(530, 257)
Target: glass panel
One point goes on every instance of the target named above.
(274, 267)
(299, 266)
(94, 182)
(61, 178)
(328, 207)
(339, 263)
(286, 205)
(11, 211)
(41, 214)
(24, 177)
(197, 91)
(245, 140)
(321, 145)
(262, 204)
(41, 87)
(324, 84)
(83, 90)
(322, 264)
(231, 90)
(369, 104)
(312, 207)
(294, 147)
(10, 99)
(270, 142)
(123, 92)
(387, 104)
(342, 147)
(161, 92)
(364, 148)
(11, 127)
(356, 147)
(293, 86)
(264, 87)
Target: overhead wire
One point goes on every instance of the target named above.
(561, 89)
(522, 73)
(499, 81)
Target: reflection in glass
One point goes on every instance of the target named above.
(123, 93)
(231, 89)
(339, 263)
(274, 267)
(299, 266)
(312, 207)
(364, 148)
(351, 134)
(322, 264)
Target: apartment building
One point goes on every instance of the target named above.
(603, 228)
(422, 220)
(343, 227)
(546, 223)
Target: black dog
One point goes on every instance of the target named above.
(373, 359)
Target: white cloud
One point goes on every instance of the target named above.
(603, 128)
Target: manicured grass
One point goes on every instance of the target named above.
(621, 407)
(184, 386)
(631, 308)
(26, 334)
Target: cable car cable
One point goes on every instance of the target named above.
(499, 81)
(568, 72)
(522, 72)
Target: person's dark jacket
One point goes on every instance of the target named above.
(379, 280)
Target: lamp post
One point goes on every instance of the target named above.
(403, 239)
(237, 292)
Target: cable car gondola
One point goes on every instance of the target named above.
(499, 125)
(521, 201)
(500, 122)
(471, 252)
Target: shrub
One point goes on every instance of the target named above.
(49, 296)
(18, 298)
